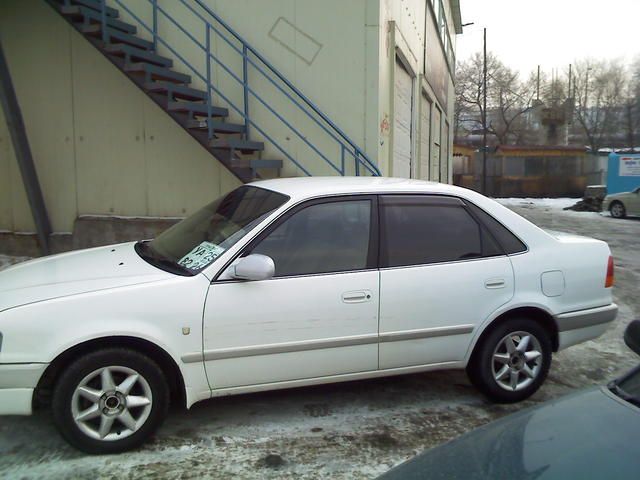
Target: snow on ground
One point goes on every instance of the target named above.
(548, 205)
(555, 203)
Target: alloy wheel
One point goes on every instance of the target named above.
(517, 361)
(111, 403)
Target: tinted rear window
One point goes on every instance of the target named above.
(419, 230)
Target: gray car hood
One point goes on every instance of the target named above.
(74, 273)
(588, 435)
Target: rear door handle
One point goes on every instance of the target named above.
(494, 283)
(356, 296)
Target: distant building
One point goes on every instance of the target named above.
(529, 171)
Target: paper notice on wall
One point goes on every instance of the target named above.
(630, 166)
(201, 256)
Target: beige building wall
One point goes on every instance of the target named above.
(99, 144)
(102, 147)
(328, 49)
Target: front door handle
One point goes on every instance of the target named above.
(356, 296)
(493, 283)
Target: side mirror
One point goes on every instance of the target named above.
(632, 336)
(254, 267)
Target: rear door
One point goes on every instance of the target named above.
(441, 275)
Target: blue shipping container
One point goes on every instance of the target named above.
(623, 173)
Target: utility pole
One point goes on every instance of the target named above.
(484, 117)
(538, 85)
(586, 90)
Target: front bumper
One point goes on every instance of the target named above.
(17, 384)
(583, 325)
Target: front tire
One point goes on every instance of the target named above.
(617, 210)
(110, 401)
(511, 362)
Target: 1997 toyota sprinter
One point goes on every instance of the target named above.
(294, 282)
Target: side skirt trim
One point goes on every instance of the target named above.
(347, 377)
(227, 353)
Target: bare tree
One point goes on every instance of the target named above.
(508, 99)
(600, 87)
(631, 106)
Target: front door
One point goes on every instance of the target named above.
(441, 275)
(318, 316)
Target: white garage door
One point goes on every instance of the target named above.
(425, 132)
(402, 115)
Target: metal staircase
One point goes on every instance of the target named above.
(325, 147)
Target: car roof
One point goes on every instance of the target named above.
(303, 188)
(299, 188)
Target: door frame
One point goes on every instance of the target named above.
(424, 93)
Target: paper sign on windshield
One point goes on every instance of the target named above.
(201, 256)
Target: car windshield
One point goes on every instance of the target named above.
(628, 387)
(195, 242)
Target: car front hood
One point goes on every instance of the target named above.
(74, 273)
(590, 434)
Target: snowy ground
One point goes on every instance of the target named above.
(343, 431)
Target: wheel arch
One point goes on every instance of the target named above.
(173, 375)
(537, 314)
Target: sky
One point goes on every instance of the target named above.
(552, 33)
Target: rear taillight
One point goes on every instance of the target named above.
(609, 281)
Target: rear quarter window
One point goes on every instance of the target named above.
(508, 241)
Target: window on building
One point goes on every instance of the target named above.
(534, 166)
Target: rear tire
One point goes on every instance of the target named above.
(510, 363)
(110, 401)
(617, 210)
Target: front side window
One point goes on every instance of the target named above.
(417, 230)
(321, 238)
(195, 242)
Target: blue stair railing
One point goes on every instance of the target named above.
(255, 71)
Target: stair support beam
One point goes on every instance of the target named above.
(245, 87)
(18, 132)
(103, 21)
(154, 26)
(209, 99)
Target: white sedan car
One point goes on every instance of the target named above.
(293, 282)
